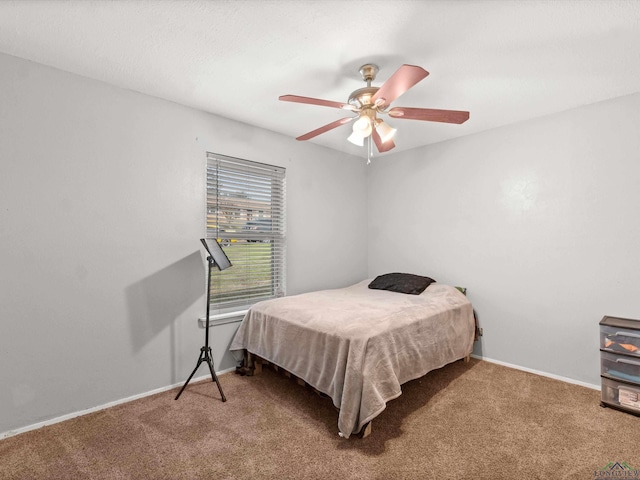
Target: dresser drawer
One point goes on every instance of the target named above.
(621, 395)
(623, 367)
(620, 340)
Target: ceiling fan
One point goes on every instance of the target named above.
(370, 102)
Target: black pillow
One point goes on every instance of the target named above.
(401, 283)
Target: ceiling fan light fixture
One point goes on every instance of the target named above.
(356, 139)
(362, 126)
(385, 130)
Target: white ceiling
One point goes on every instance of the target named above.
(505, 61)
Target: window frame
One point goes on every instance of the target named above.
(245, 211)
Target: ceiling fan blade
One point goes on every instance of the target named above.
(316, 101)
(402, 80)
(382, 146)
(429, 114)
(326, 128)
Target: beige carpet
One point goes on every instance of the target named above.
(465, 421)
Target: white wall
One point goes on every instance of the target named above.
(538, 220)
(101, 208)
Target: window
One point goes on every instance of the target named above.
(245, 213)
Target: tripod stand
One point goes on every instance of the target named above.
(205, 352)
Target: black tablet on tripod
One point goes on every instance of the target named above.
(219, 259)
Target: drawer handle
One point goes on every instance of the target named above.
(628, 362)
(627, 334)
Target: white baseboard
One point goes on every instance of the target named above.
(538, 372)
(69, 416)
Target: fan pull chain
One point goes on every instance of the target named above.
(369, 150)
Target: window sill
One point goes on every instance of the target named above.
(222, 318)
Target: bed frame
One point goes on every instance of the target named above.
(252, 365)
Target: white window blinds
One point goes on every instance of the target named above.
(246, 214)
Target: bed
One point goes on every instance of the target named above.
(358, 345)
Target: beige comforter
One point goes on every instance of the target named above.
(358, 345)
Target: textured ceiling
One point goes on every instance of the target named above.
(504, 60)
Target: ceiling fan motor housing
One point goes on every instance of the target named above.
(362, 97)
